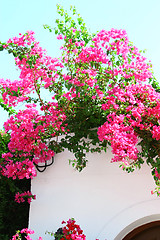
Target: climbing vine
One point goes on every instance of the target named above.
(102, 92)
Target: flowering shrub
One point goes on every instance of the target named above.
(71, 231)
(102, 89)
(24, 234)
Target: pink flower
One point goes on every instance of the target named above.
(157, 174)
(20, 197)
(59, 37)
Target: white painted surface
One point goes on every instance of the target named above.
(106, 201)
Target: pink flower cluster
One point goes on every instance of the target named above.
(135, 106)
(157, 174)
(17, 169)
(24, 232)
(122, 137)
(35, 68)
(21, 197)
(90, 54)
(116, 41)
(72, 231)
(29, 135)
(113, 52)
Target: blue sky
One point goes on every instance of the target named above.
(140, 18)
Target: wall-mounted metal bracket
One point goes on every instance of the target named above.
(42, 168)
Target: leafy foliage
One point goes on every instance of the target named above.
(12, 215)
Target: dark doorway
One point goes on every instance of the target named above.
(149, 231)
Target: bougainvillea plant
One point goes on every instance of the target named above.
(102, 92)
(22, 197)
(70, 231)
(24, 234)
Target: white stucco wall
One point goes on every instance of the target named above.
(106, 201)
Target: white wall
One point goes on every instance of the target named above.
(106, 201)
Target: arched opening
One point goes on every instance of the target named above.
(149, 231)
